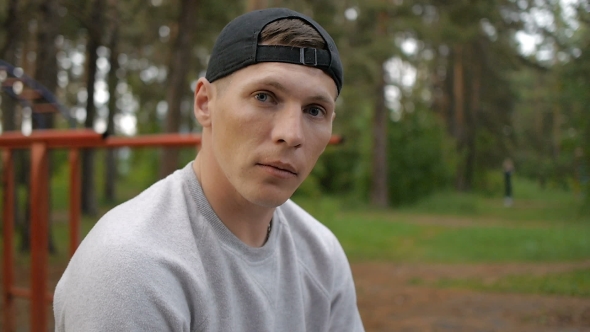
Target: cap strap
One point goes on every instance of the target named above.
(302, 56)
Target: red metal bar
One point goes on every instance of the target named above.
(45, 108)
(29, 94)
(53, 138)
(175, 140)
(88, 138)
(75, 199)
(26, 294)
(39, 235)
(8, 228)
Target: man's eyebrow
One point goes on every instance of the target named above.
(274, 84)
(282, 88)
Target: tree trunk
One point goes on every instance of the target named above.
(13, 28)
(46, 74)
(110, 155)
(471, 137)
(556, 131)
(89, 200)
(459, 115)
(179, 66)
(379, 186)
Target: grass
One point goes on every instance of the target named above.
(542, 226)
(392, 237)
(531, 204)
(449, 227)
(574, 283)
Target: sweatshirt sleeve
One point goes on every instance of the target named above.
(110, 287)
(344, 314)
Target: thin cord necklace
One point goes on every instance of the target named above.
(268, 231)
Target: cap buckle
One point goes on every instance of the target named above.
(302, 58)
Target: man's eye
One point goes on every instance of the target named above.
(315, 111)
(262, 97)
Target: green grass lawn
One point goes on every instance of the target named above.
(393, 237)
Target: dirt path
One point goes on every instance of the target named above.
(388, 303)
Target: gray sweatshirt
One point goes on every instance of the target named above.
(163, 261)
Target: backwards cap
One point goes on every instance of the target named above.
(237, 46)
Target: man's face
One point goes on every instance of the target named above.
(269, 124)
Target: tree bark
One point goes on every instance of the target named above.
(179, 66)
(459, 115)
(556, 130)
(89, 200)
(13, 28)
(379, 186)
(472, 116)
(110, 154)
(46, 74)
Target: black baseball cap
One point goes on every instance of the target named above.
(237, 46)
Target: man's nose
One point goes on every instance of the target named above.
(288, 127)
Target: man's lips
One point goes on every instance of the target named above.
(280, 166)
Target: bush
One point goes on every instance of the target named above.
(421, 158)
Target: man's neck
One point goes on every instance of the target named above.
(247, 221)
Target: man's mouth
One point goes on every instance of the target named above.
(281, 167)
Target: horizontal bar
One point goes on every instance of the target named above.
(53, 138)
(29, 94)
(154, 140)
(45, 108)
(26, 294)
(88, 138)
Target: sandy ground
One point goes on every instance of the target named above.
(388, 302)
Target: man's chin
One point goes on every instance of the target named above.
(269, 200)
(270, 203)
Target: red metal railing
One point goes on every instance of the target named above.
(40, 142)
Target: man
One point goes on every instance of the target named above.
(218, 245)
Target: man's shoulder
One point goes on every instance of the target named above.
(146, 222)
(159, 202)
(317, 247)
(302, 223)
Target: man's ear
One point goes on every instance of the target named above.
(203, 100)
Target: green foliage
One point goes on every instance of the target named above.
(420, 158)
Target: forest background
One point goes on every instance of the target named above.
(437, 95)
